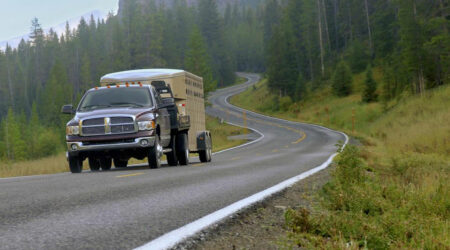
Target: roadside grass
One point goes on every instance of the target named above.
(392, 192)
(58, 163)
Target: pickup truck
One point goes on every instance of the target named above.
(139, 119)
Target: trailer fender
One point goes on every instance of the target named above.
(204, 140)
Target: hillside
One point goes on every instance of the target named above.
(393, 191)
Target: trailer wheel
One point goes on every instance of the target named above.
(182, 147)
(105, 163)
(118, 163)
(172, 158)
(154, 154)
(94, 164)
(75, 164)
(206, 155)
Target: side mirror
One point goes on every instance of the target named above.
(168, 101)
(67, 109)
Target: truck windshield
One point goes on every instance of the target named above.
(116, 97)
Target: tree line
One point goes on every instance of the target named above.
(50, 70)
(310, 43)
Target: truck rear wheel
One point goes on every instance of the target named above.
(154, 154)
(94, 164)
(75, 164)
(182, 146)
(172, 158)
(105, 163)
(118, 163)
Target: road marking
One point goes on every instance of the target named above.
(300, 139)
(287, 146)
(275, 150)
(235, 158)
(198, 165)
(172, 238)
(129, 175)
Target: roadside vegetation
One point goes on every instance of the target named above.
(58, 164)
(393, 191)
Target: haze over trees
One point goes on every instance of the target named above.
(300, 45)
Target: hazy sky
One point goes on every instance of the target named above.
(16, 15)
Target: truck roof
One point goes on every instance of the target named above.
(141, 75)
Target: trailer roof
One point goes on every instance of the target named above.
(140, 74)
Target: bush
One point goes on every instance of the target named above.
(285, 103)
(48, 143)
(342, 80)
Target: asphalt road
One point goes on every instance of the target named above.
(123, 209)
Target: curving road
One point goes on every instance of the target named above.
(124, 209)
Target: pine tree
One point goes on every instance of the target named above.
(370, 89)
(342, 80)
(198, 62)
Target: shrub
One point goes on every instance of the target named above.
(285, 103)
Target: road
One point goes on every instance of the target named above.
(124, 209)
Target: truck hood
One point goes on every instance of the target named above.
(137, 112)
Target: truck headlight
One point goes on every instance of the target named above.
(72, 130)
(146, 125)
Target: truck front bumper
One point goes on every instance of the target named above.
(141, 142)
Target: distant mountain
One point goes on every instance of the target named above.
(169, 3)
(59, 29)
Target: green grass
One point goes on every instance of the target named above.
(392, 192)
(58, 163)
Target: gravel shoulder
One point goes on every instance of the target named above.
(261, 226)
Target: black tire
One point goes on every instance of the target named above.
(172, 158)
(75, 164)
(105, 163)
(182, 146)
(94, 164)
(203, 155)
(118, 163)
(154, 155)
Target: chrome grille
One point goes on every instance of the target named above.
(108, 125)
(118, 120)
(96, 121)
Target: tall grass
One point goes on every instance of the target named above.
(394, 191)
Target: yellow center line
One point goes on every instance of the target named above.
(300, 139)
(275, 150)
(198, 165)
(286, 146)
(235, 158)
(129, 175)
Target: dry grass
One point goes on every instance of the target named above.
(58, 163)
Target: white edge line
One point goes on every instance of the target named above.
(245, 144)
(171, 239)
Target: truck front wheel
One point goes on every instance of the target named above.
(182, 146)
(75, 164)
(154, 154)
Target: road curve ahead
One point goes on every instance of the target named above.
(124, 209)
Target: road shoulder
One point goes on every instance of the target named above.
(261, 226)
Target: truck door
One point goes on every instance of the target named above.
(163, 119)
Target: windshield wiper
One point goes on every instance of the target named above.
(137, 105)
(94, 107)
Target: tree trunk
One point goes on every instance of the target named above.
(324, 12)
(368, 28)
(10, 85)
(322, 67)
(335, 26)
(350, 22)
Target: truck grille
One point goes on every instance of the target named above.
(108, 125)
